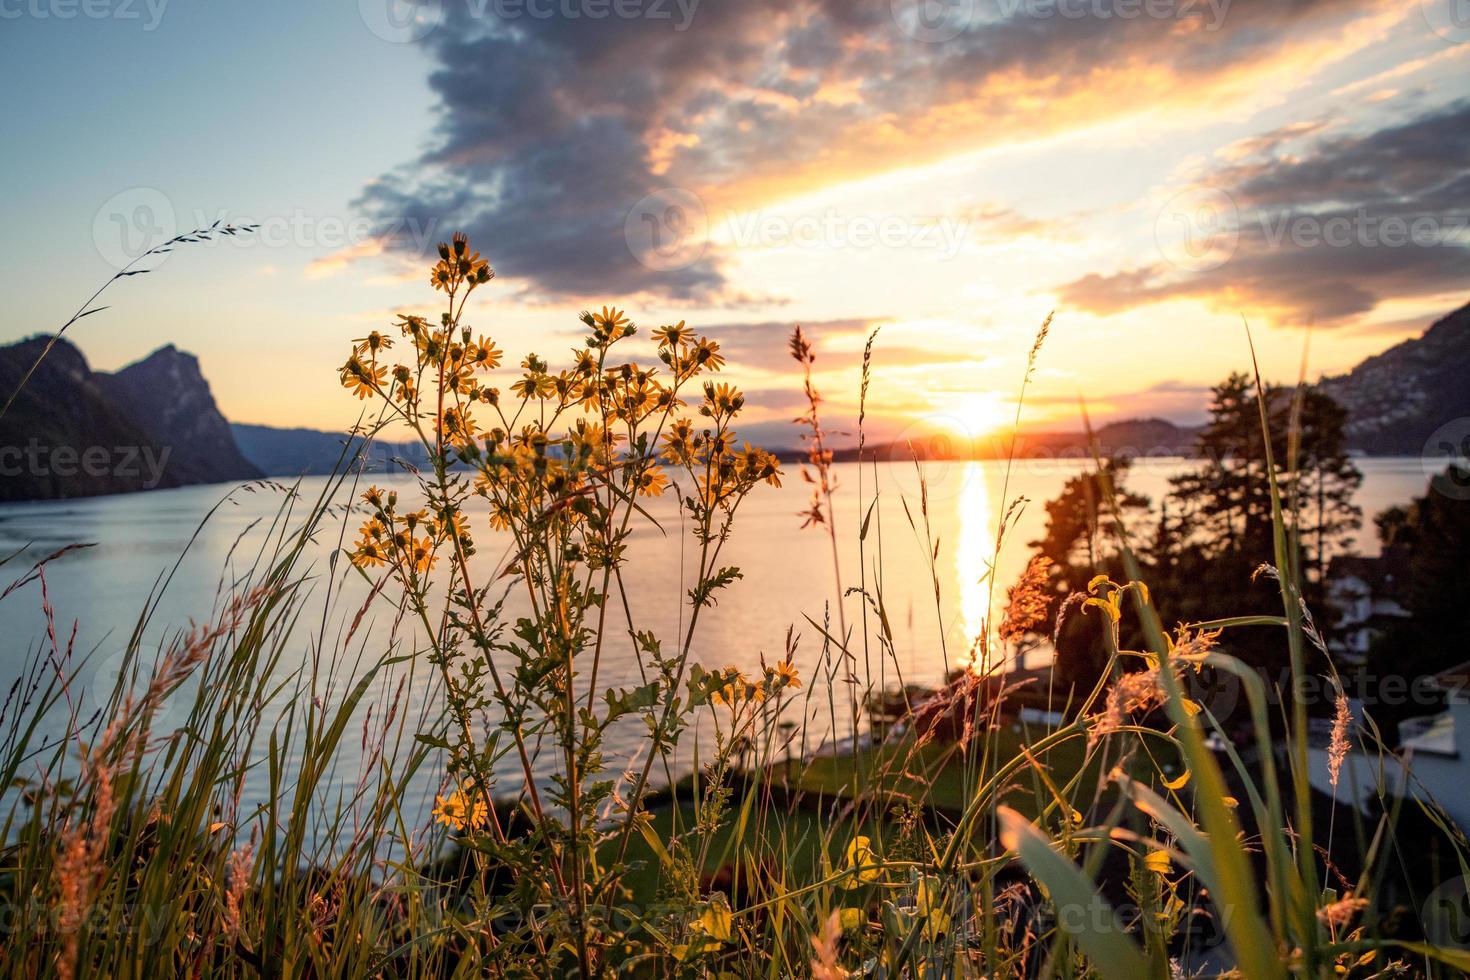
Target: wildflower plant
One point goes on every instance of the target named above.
(957, 839)
(561, 464)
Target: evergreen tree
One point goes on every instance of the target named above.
(1082, 541)
(1433, 533)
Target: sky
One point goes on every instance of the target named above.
(1156, 173)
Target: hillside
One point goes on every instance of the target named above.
(75, 432)
(312, 452)
(1397, 399)
(1130, 437)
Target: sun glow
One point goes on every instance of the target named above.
(976, 414)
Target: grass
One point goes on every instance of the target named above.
(961, 844)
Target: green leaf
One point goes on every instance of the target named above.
(625, 702)
(1102, 936)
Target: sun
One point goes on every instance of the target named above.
(975, 414)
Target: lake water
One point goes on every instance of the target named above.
(138, 539)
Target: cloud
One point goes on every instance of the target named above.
(1325, 233)
(553, 130)
(838, 345)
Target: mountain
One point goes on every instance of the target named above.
(1130, 437)
(166, 392)
(1396, 400)
(75, 432)
(312, 452)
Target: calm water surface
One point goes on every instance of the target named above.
(788, 580)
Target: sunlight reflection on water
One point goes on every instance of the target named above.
(787, 575)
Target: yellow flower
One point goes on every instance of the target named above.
(707, 354)
(457, 423)
(501, 516)
(929, 906)
(672, 336)
(609, 320)
(652, 482)
(485, 355)
(367, 555)
(1157, 861)
(362, 379)
(460, 809)
(372, 343)
(452, 521)
(716, 920)
(459, 264)
(860, 856)
(679, 442)
(785, 674)
(723, 399)
(423, 556)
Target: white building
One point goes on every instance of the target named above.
(1364, 593)
(1432, 762)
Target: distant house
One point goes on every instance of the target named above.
(1365, 593)
(1432, 762)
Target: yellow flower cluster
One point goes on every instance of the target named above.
(460, 809)
(561, 444)
(408, 541)
(738, 689)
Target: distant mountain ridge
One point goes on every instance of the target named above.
(1129, 437)
(75, 432)
(312, 452)
(1397, 399)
